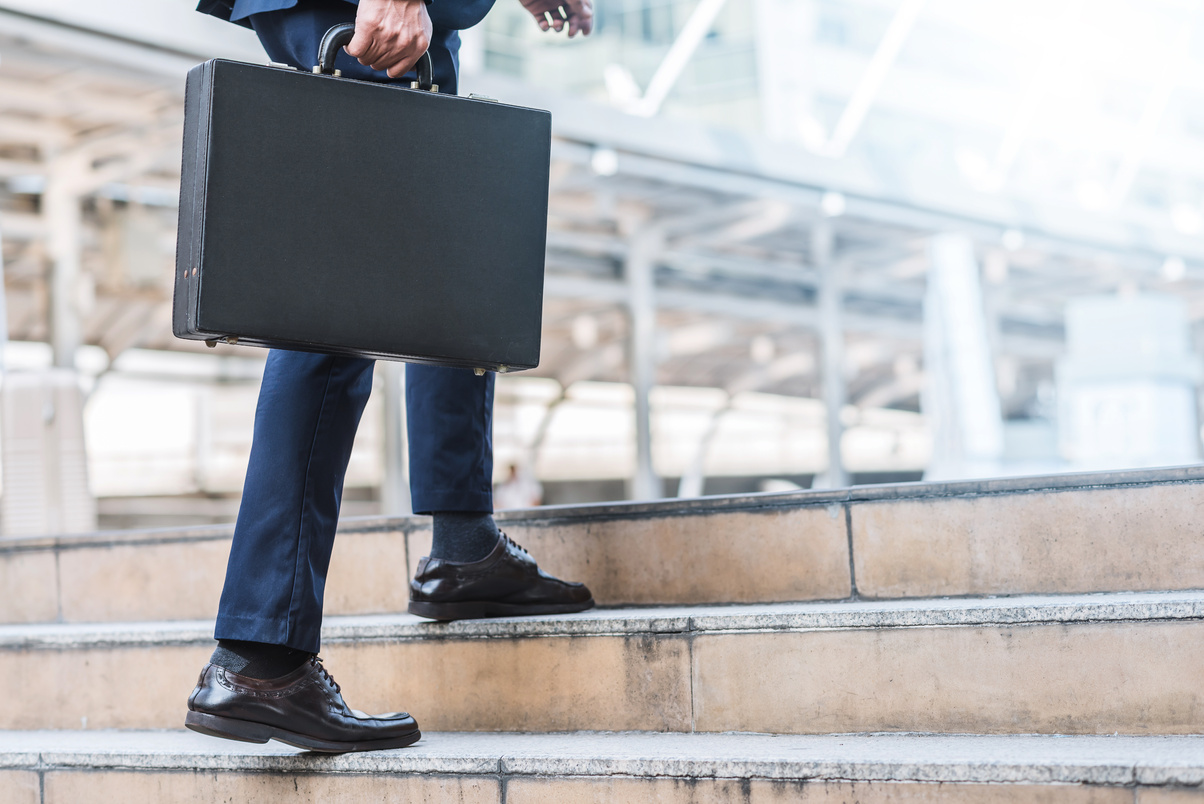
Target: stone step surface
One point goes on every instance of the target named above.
(1126, 531)
(46, 767)
(1088, 664)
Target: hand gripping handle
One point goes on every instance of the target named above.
(339, 35)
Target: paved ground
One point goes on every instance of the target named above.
(1114, 760)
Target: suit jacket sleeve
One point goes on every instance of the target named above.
(222, 9)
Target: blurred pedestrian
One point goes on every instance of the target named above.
(520, 489)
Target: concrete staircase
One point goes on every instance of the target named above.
(1035, 639)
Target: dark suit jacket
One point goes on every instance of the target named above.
(455, 15)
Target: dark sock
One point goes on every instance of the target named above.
(257, 659)
(463, 537)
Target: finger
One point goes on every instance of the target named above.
(375, 51)
(360, 42)
(405, 58)
(558, 18)
(545, 20)
(385, 61)
(357, 44)
(397, 48)
(581, 17)
(391, 57)
(402, 67)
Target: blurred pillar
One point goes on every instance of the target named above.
(45, 462)
(42, 448)
(472, 52)
(786, 72)
(639, 272)
(3, 348)
(831, 330)
(61, 211)
(3, 309)
(960, 399)
(541, 432)
(203, 435)
(395, 485)
(1126, 387)
(693, 479)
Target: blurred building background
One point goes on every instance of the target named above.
(792, 243)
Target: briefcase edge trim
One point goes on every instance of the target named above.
(194, 174)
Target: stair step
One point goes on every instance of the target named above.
(1088, 664)
(1104, 532)
(104, 766)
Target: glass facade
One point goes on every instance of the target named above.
(630, 40)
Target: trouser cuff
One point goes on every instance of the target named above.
(428, 501)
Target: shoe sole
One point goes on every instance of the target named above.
(245, 731)
(480, 609)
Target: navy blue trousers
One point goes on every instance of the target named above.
(309, 408)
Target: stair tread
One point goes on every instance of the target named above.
(1070, 759)
(1070, 534)
(673, 506)
(1018, 610)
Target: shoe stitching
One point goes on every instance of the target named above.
(224, 680)
(343, 711)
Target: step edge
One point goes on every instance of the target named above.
(672, 507)
(187, 534)
(1130, 760)
(878, 492)
(1142, 607)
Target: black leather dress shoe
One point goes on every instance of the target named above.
(506, 583)
(303, 708)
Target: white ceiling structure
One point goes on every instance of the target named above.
(700, 237)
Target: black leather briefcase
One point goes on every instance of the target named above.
(323, 214)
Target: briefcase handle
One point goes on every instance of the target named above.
(341, 34)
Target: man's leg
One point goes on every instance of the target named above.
(308, 412)
(473, 570)
(271, 607)
(264, 681)
(449, 418)
(450, 423)
(309, 408)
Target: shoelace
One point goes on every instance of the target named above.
(317, 662)
(514, 544)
